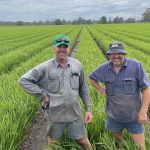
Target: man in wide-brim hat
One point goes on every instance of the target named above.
(127, 90)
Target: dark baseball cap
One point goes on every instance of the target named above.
(116, 47)
(62, 39)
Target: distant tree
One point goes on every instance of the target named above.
(118, 20)
(81, 20)
(103, 20)
(58, 22)
(48, 22)
(130, 20)
(40, 22)
(146, 15)
(64, 21)
(109, 20)
(69, 22)
(74, 22)
(19, 23)
(89, 21)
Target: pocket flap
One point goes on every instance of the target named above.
(128, 79)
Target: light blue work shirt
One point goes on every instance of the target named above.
(62, 85)
(123, 89)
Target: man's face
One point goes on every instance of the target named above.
(61, 51)
(117, 59)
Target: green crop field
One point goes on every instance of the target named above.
(23, 47)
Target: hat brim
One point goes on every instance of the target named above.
(122, 51)
(57, 44)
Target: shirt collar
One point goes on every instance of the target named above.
(58, 65)
(125, 62)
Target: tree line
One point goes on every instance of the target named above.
(81, 20)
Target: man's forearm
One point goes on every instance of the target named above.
(85, 98)
(145, 99)
(98, 86)
(84, 93)
(32, 88)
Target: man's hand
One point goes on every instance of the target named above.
(142, 117)
(45, 103)
(46, 99)
(103, 91)
(88, 117)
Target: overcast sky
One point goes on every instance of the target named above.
(30, 10)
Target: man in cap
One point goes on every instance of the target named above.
(59, 82)
(124, 80)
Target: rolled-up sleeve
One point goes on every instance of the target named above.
(97, 75)
(29, 83)
(143, 79)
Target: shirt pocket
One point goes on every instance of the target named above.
(74, 81)
(129, 85)
(109, 87)
(54, 85)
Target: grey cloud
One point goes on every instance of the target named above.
(28, 10)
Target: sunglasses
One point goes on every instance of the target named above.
(62, 46)
(63, 40)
